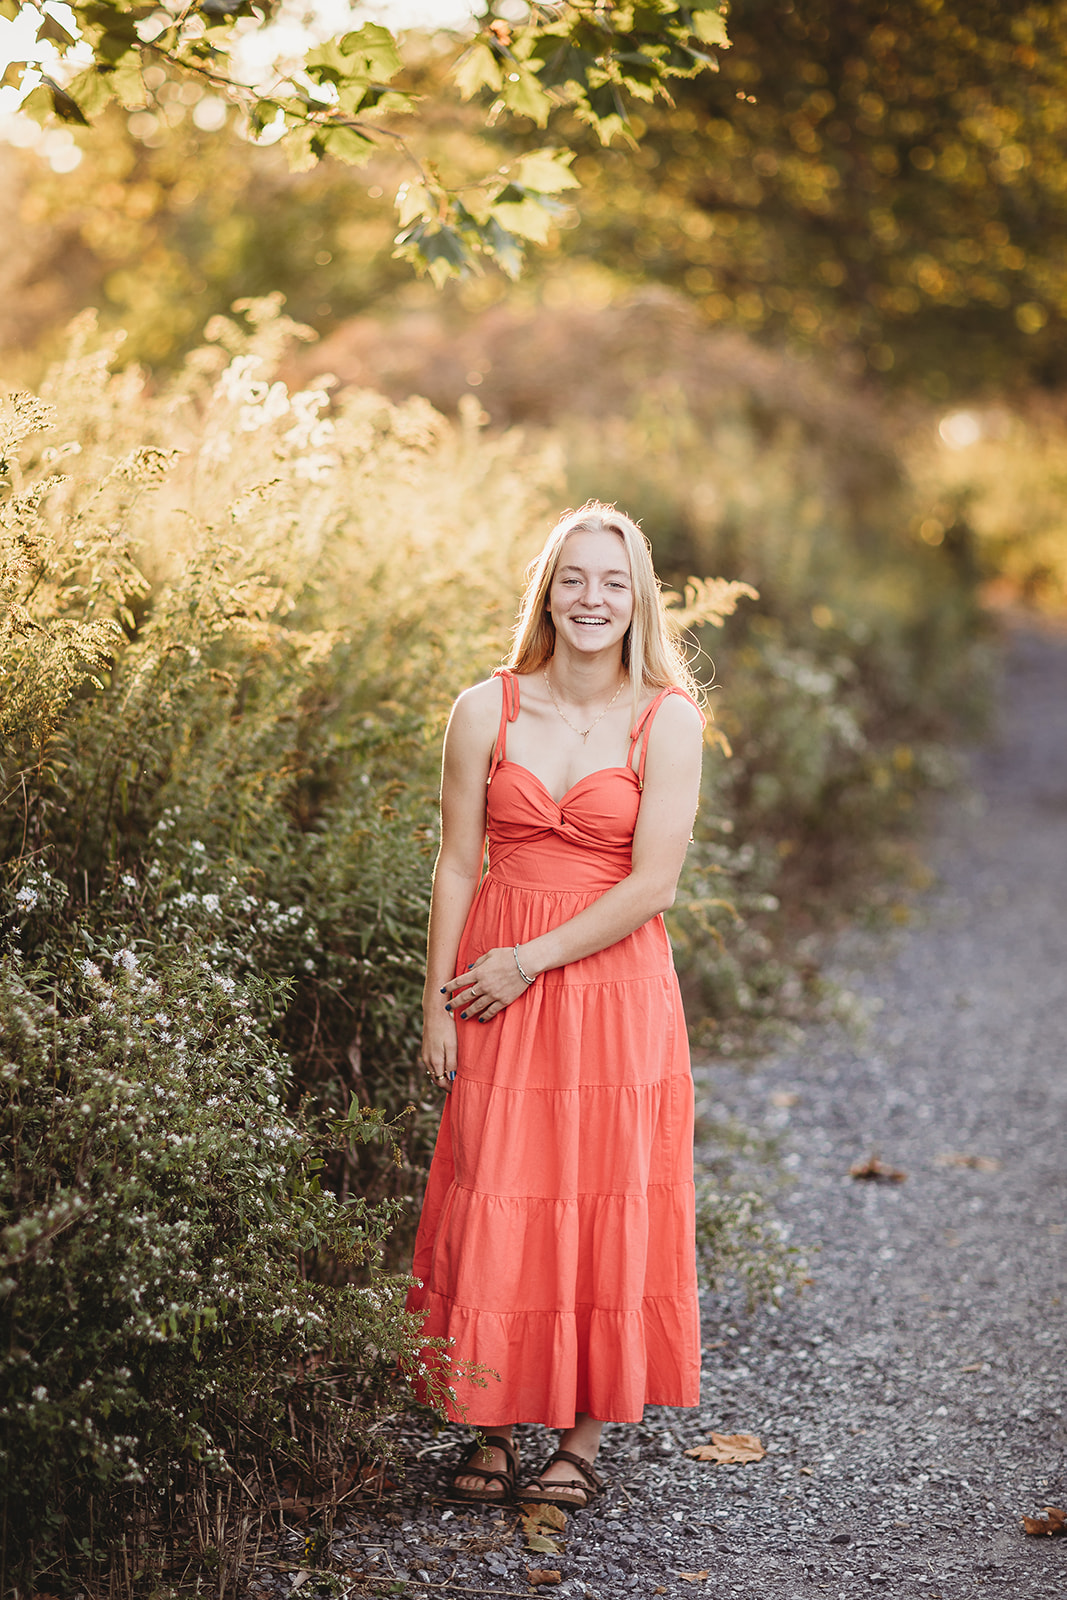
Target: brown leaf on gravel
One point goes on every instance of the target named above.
(535, 1576)
(539, 1524)
(874, 1171)
(1054, 1521)
(729, 1448)
(544, 1516)
(784, 1098)
(966, 1158)
(695, 1577)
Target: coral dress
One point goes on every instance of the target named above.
(556, 1243)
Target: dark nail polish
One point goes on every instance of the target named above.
(451, 1077)
(463, 1016)
(448, 1008)
(444, 991)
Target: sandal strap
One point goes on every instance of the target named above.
(504, 1475)
(596, 1483)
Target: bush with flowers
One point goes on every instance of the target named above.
(232, 619)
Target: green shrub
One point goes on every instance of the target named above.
(230, 629)
(160, 1214)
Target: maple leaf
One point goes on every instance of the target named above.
(1054, 1521)
(875, 1171)
(728, 1448)
(535, 1576)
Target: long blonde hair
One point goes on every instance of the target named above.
(652, 651)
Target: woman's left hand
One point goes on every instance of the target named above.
(488, 985)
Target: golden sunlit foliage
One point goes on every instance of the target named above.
(883, 180)
(352, 96)
(236, 613)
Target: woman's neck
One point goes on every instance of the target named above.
(584, 679)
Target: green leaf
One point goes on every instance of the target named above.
(55, 33)
(62, 103)
(327, 63)
(436, 247)
(127, 84)
(525, 96)
(92, 90)
(709, 25)
(547, 171)
(502, 246)
(526, 217)
(476, 69)
(412, 200)
(347, 145)
(376, 47)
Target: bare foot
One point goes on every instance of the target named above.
(491, 1459)
(569, 1484)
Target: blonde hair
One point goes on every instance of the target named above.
(652, 651)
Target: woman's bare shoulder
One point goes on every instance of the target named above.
(677, 722)
(477, 709)
(676, 712)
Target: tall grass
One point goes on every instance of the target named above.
(234, 618)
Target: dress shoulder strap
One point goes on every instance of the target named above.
(509, 710)
(643, 727)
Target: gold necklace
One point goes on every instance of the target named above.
(582, 735)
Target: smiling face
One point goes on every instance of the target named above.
(590, 599)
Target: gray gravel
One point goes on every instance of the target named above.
(912, 1400)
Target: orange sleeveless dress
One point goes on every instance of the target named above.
(556, 1243)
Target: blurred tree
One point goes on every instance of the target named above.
(162, 235)
(343, 97)
(883, 178)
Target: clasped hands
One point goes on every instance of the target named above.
(477, 995)
(488, 985)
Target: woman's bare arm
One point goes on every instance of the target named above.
(467, 752)
(664, 824)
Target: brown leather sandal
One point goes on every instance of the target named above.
(562, 1494)
(505, 1477)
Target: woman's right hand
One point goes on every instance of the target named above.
(438, 1053)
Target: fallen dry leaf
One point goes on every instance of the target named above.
(1054, 1521)
(875, 1171)
(544, 1516)
(535, 1576)
(539, 1523)
(694, 1577)
(784, 1098)
(975, 1366)
(728, 1448)
(807, 1472)
(962, 1158)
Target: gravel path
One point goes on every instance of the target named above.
(912, 1400)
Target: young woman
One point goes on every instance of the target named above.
(555, 1247)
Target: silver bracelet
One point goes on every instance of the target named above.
(524, 976)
